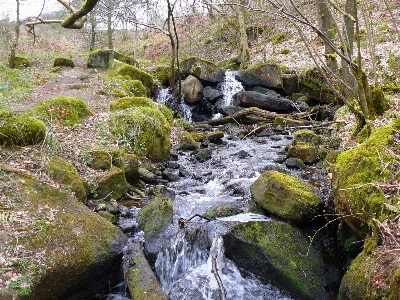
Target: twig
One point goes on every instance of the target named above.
(317, 126)
(214, 270)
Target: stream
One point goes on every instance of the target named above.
(188, 258)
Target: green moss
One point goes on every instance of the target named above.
(100, 160)
(155, 215)
(285, 196)
(308, 154)
(113, 185)
(278, 38)
(356, 173)
(363, 135)
(63, 171)
(63, 62)
(20, 62)
(285, 260)
(183, 123)
(307, 137)
(62, 109)
(124, 103)
(379, 103)
(21, 130)
(221, 211)
(186, 141)
(285, 122)
(136, 74)
(284, 51)
(145, 130)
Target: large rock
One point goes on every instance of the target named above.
(374, 274)
(313, 84)
(145, 130)
(268, 75)
(279, 254)
(21, 130)
(113, 185)
(139, 277)
(307, 153)
(129, 163)
(285, 196)
(104, 58)
(357, 176)
(186, 141)
(63, 249)
(63, 62)
(192, 90)
(63, 110)
(268, 102)
(134, 73)
(63, 171)
(203, 70)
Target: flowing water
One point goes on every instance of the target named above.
(230, 86)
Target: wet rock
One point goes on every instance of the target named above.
(192, 90)
(147, 176)
(295, 163)
(229, 110)
(202, 127)
(272, 251)
(290, 83)
(128, 225)
(128, 162)
(113, 185)
(173, 156)
(170, 175)
(202, 154)
(265, 133)
(242, 154)
(286, 196)
(139, 277)
(266, 102)
(220, 211)
(204, 70)
(173, 165)
(211, 94)
(215, 136)
(183, 172)
(301, 106)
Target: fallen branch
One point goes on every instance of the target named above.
(214, 270)
(182, 222)
(247, 116)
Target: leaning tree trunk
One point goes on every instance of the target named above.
(14, 45)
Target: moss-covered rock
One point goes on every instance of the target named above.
(154, 216)
(100, 58)
(108, 216)
(285, 122)
(313, 84)
(374, 275)
(215, 136)
(121, 87)
(136, 74)
(356, 176)
(183, 123)
(144, 129)
(126, 102)
(285, 196)
(277, 253)
(21, 130)
(113, 185)
(265, 75)
(147, 176)
(63, 171)
(202, 69)
(129, 164)
(199, 136)
(61, 109)
(192, 90)
(308, 154)
(63, 249)
(100, 160)
(305, 136)
(63, 62)
(220, 211)
(139, 277)
(163, 74)
(20, 62)
(379, 103)
(186, 141)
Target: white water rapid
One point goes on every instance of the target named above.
(230, 86)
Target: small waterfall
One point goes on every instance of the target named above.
(186, 111)
(230, 86)
(188, 249)
(165, 97)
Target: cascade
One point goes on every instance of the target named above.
(165, 97)
(230, 86)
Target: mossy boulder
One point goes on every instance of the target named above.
(64, 110)
(139, 277)
(122, 87)
(63, 62)
(147, 176)
(378, 103)
(285, 196)
(199, 136)
(305, 136)
(100, 160)
(154, 216)
(104, 59)
(357, 174)
(163, 74)
(372, 275)
(136, 74)
(314, 85)
(129, 163)
(279, 254)
(20, 63)
(186, 141)
(63, 171)
(108, 216)
(126, 102)
(145, 130)
(21, 130)
(113, 185)
(308, 154)
(202, 69)
(183, 123)
(215, 136)
(265, 75)
(63, 249)
(220, 211)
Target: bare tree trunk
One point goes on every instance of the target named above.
(92, 43)
(11, 62)
(173, 49)
(109, 27)
(244, 43)
(326, 25)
